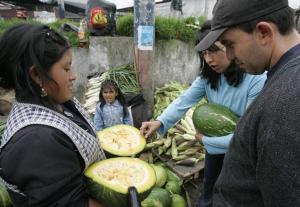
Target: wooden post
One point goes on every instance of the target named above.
(144, 41)
(61, 9)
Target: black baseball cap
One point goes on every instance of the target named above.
(227, 13)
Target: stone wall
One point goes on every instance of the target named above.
(174, 60)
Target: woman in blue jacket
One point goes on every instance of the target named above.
(222, 82)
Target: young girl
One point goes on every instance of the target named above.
(111, 109)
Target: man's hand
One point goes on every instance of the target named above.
(148, 127)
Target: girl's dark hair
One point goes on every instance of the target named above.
(27, 46)
(120, 97)
(234, 75)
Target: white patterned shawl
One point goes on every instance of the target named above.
(23, 114)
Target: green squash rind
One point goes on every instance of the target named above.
(178, 201)
(171, 176)
(4, 197)
(173, 187)
(161, 175)
(156, 197)
(116, 197)
(214, 120)
(110, 197)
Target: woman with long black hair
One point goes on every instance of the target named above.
(49, 139)
(222, 82)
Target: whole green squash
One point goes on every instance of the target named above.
(214, 120)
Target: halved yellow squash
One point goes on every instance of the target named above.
(108, 180)
(122, 140)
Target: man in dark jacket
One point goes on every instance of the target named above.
(262, 165)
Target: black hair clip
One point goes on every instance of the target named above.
(46, 31)
(53, 36)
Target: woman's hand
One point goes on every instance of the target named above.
(148, 127)
(94, 203)
(199, 137)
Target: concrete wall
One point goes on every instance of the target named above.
(174, 60)
(200, 8)
(189, 8)
(295, 4)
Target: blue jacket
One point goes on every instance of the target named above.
(110, 115)
(236, 98)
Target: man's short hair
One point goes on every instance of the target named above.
(283, 19)
(229, 13)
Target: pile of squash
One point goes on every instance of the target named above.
(109, 180)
